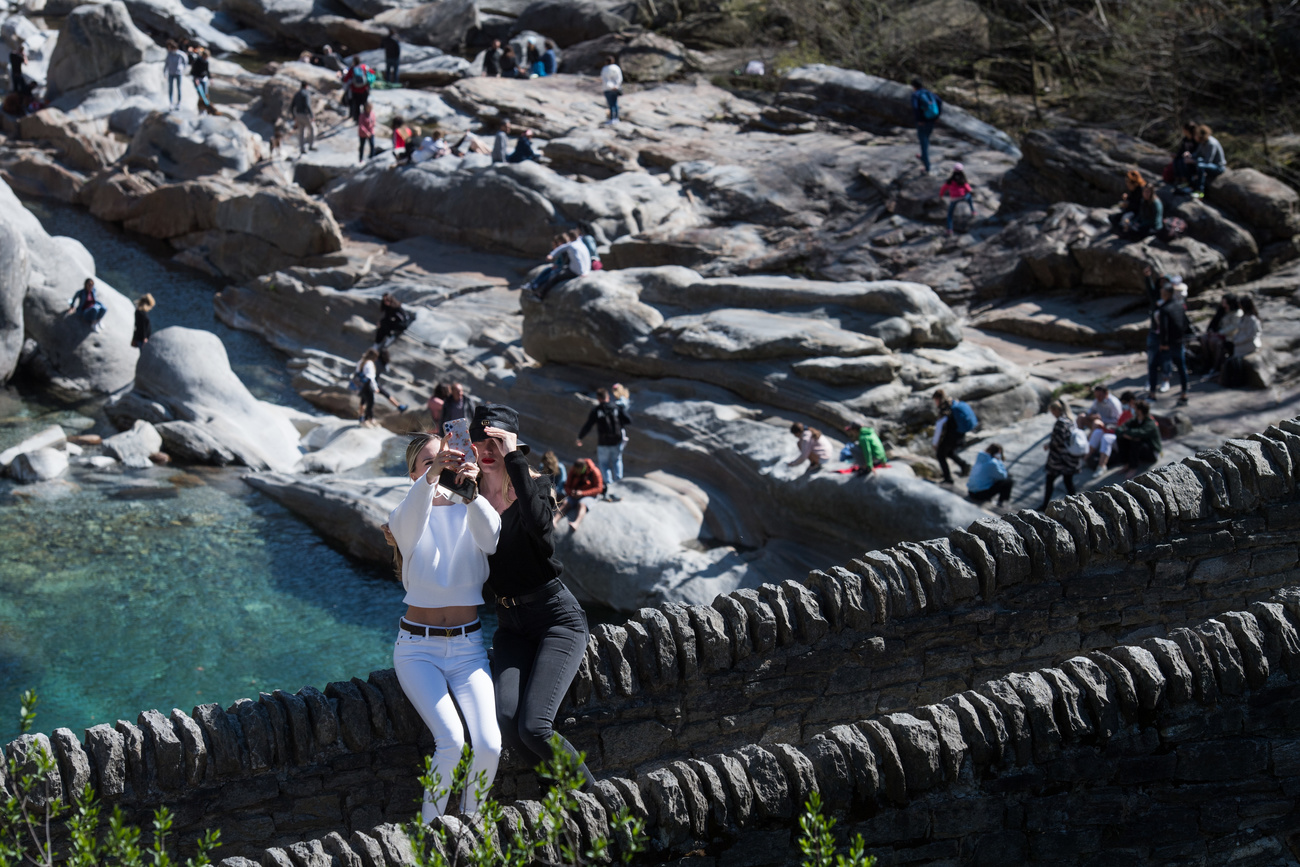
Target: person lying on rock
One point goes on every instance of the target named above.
(583, 483)
(813, 447)
(469, 144)
(87, 306)
(989, 477)
(1132, 198)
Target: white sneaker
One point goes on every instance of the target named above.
(1164, 386)
(99, 326)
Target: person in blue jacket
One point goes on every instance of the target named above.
(989, 477)
(926, 109)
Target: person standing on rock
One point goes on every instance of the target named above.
(366, 376)
(1173, 329)
(174, 67)
(358, 78)
(492, 60)
(609, 419)
(304, 120)
(143, 327)
(959, 420)
(501, 142)
(926, 108)
(392, 56)
(1064, 454)
(611, 79)
(87, 306)
(366, 122)
(442, 549)
(199, 75)
(542, 631)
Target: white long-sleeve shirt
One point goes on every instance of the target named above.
(611, 77)
(444, 547)
(1248, 336)
(579, 257)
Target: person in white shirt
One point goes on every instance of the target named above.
(442, 554)
(611, 79)
(174, 67)
(572, 259)
(1105, 406)
(1248, 336)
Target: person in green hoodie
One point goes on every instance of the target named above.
(1138, 440)
(873, 450)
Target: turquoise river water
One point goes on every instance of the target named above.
(114, 600)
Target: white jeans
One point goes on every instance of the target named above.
(1100, 441)
(431, 671)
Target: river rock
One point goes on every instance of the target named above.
(81, 144)
(1266, 204)
(40, 465)
(184, 375)
(190, 443)
(422, 66)
(133, 447)
(1075, 164)
(504, 208)
(348, 511)
(443, 25)
(193, 146)
(304, 22)
(95, 43)
(569, 22)
(15, 267)
(337, 448)
(172, 18)
(51, 436)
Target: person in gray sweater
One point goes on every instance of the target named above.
(1207, 161)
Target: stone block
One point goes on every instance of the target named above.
(1115, 519)
(643, 656)
(108, 754)
(697, 806)
(1154, 506)
(278, 728)
(1068, 706)
(353, 715)
(1281, 640)
(688, 659)
(309, 853)
(1259, 474)
(929, 570)
(1148, 679)
(367, 849)
(1289, 441)
(629, 744)
(1016, 717)
(1040, 563)
(762, 620)
(1249, 637)
(394, 843)
(236, 861)
(958, 572)
(1066, 513)
(977, 555)
(168, 752)
(732, 774)
(893, 779)
(737, 622)
(918, 750)
(256, 726)
(277, 857)
(618, 656)
(344, 854)
(583, 684)
(771, 790)
(952, 746)
(866, 588)
(1205, 683)
(663, 795)
(859, 600)
(1179, 687)
(1125, 688)
(835, 778)
(776, 600)
(1036, 696)
(852, 745)
(983, 747)
(799, 774)
(716, 795)
(830, 597)
(1276, 453)
(195, 745)
(810, 625)
(1183, 491)
(591, 818)
(74, 765)
(1098, 691)
(324, 722)
(1057, 540)
(610, 797)
(902, 601)
(22, 752)
(712, 642)
(301, 741)
(1229, 669)
(139, 761)
(380, 726)
(406, 723)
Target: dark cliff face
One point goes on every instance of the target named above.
(1122, 662)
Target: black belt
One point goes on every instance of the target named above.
(555, 585)
(440, 631)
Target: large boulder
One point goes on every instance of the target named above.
(134, 447)
(81, 144)
(305, 22)
(97, 42)
(193, 146)
(1074, 164)
(40, 465)
(444, 24)
(572, 21)
(853, 94)
(15, 266)
(184, 375)
(504, 208)
(1266, 204)
(172, 18)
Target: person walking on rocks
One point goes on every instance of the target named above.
(1173, 329)
(442, 549)
(358, 79)
(542, 632)
(174, 67)
(304, 121)
(611, 79)
(958, 191)
(1065, 451)
(609, 419)
(143, 327)
(366, 377)
(926, 109)
(366, 122)
(199, 74)
(87, 305)
(959, 420)
(392, 56)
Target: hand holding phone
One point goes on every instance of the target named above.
(457, 431)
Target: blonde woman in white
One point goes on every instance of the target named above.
(443, 548)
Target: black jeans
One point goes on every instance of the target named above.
(558, 275)
(1068, 478)
(948, 445)
(1000, 489)
(367, 402)
(536, 653)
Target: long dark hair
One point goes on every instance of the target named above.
(1248, 306)
(958, 177)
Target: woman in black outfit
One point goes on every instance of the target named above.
(143, 327)
(542, 631)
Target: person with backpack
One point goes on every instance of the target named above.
(609, 419)
(393, 321)
(199, 72)
(1065, 451)
(957, 190)
(926, 109)
(358, 78)
(87, 305)
(989, 477)
(1173, 329)
(959, 420)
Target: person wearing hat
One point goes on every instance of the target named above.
(143, 327)
(542, 631)
(957, 190)
(441, 553)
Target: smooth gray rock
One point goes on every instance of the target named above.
(39, 465)
(189, 146)
(96, 42)
(1016, 717)
(14, 270)
(1125, 687)
(133, 447)
(256, 727)
(171, 17)
(799, 774)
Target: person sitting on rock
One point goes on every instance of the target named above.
(87, 306)
(1249, 335)
(366, 123)
(872, 449)
(534, 55)
(1101, 439)
(571, 258)
(551, 466)
(989, 477)
(403, 142)
(584, 483)
(1138, 441)
(1207, 161)
(143, 327)
(550, 59)
(1104, 407)
(501, 142)
(393, 321)
(1130, 201)
(330, 59)
(1149, 218)
(510, 63)
(524, 149)
(357, 79)
(813, 447)
(1216, 343)
(1182, 170)
(957, 190)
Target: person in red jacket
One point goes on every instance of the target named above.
(583, 483)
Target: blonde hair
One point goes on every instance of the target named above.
(620, 390)
(413, 448)
(145, 303)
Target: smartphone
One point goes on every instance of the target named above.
(457, 492)
(457, 431)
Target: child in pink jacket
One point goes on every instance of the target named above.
(366, 121)
(957, 189)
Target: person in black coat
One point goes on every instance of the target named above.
(393, 321)
(143, 327)
(392, 56)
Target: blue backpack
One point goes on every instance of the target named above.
(963, 416)
(929, 104)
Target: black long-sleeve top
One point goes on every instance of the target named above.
(525, 557)
(143, 328)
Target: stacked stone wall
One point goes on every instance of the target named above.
(895, 629)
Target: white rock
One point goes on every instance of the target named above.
(40, 465)
(133, 447)
(51, 436)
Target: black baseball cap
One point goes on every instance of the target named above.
(495, 415)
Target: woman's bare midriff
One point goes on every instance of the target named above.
(455, 615)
